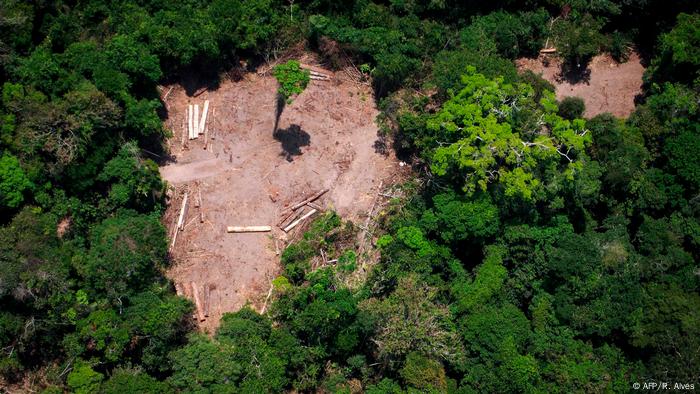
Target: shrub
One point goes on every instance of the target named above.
(572, 108)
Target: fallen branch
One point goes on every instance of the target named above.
(269, 293)
(308, 200)
(296, 222)
(248, 229)
(168, 94)
(199, 91)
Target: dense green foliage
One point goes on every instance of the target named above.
(292, 79)
(536, 251)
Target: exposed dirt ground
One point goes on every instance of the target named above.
(610, 86)
(248, 174)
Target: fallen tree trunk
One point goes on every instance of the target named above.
(301, 219)
(190, 124)
(314, 68)
(181, 219)
(315, 206)
(196, 121)
(288, 219)
(207, 299)
(248, 229)
(203, 121)
(308, 200)
(198, 302)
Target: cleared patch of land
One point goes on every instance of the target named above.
(607, 86)
(249, 174)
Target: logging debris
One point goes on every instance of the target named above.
(310, 199)
(301, 219)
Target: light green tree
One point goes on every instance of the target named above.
(13, 182)
(495, 132)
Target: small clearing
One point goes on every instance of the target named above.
(249, 174)
(609, 87)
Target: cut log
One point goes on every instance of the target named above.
(318, 74)
(315, 206)
(315, 78)
(308, 200)
(315, 69)
(548, 50)
(203, 121)
(190, 120)
(178, 289)
(301, 219)
(248, 229)
(196, 120)
(198, 302)
(176, 229)
(185, 134)
(181, 219)
(289, 218)
(207, 299)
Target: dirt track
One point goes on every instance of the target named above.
(325, 139)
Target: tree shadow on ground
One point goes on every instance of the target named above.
(575, 73)
(279, 107)
(292, 139)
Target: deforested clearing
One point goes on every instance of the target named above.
(250, 174)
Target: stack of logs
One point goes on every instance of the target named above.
(195, 124)
(316, 75)
(202, 300)
(295, 215)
